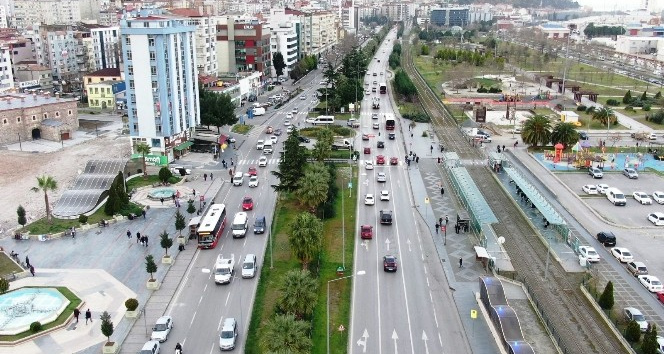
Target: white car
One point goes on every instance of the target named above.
(253, 181)
(368, 165)
(294, 111)
(622, 254)
(289, 129)
(656, 218)
(162, 328)
(274, 139)
(589, 254)
(262, 161)
(381, 177)
(303, 97)
(651, 283)
(369, 199)
(287, 122)
(259, 144)
(590, 189)
(385, 195)
(658, 197)
(601, 188)
(642, 198)
(249, 266)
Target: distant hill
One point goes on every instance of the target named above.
(528, 4)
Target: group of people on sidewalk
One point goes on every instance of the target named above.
(142, 239)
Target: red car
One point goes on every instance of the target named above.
(660, 296)
(248, 203)
(366, 231)
(367, 150)
(253, 171)
(380, 160)
(394, 161)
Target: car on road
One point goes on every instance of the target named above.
(150, 347)
(658, 197)
(248, 203)
(252, 170)
(289, 115)
(602, 188)
(278, 132)
(253, 181)
(375, 125)
(303, 139)
(274, 139)
(259, 144)
(368, 165)
(589, 254)
(249, 266)
(367, 150)
(228, 334)
(303, 97)
(660, 297)
(656, 218)
(366, 232)
(606, 238)
(391, 136)
(380, 160)
(366, 92)
(652, 136)
(162, 329)
(374, 115)
(380, 144)
(294, 110)
(177, 170)
(630, 173)
(633, 314)
(389, 263)
(381, 177)
(651, 283)
(373, 89)
(637, 268)
(595, 172)
(384, 195)
(369, 199)
(590, 189)
(642, 198)
(365, 136)
(622, 254)
(262, 161)
(287, 122)
(394, 160)
(375, 82)
(289, 129)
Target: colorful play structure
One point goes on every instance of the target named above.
(581, 157)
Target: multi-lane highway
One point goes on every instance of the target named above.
(200, 306)
(410, 310)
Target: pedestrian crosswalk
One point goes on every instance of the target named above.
(254, 162)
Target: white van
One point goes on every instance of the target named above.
(267, 147)
(238, 179)
(320, 120)
(259, 111)
(616, 197)
(240, 224)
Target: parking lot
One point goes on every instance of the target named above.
(632, 215)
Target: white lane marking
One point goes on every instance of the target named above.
(184, 280)
(227, 298)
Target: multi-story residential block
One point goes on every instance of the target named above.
(33, 77)
(368, 11)
(6, 75)
(206, 40)
(3, 17)
(89, 10)
(284, 40)
(105, 94)
(106, 47)
(349, 16)
(450, 16)
(243, 45)
(110, 17)
(48, 12)
(55, 47)
(399, 11)
(319, 31)
(20, 48)
(30, 117)
(162, 85)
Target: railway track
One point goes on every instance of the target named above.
(575, 325)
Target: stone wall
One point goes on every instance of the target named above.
(23, 120)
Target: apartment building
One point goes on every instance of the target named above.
(243, 45)
(32, 76)
(162, 86)
(450, 16)
(106, 49)
(6, 75)
(48, 12)
(284, 40)
(206, 40)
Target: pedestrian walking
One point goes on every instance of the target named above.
(128, 234)
(460, 262)
(447, 220)
(73, 232)
(411, 135)
(143, 212)
(439, 160)
(442, 191)
(231, 161)
(223, 163)
(138, 237)
(431, 149)
(515, 144)
(76, 313)
(173, 197)
(440, 220)
(146, 241)
(27, 261)
(503, 148)
(437, 226)
(162, 201)
(194, 191)
(442, 148)
(417, 159)
(205, 177)
(211, 176)
(88, 316)
(32, 270)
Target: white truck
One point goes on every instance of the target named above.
(224, 269)
(375, 103)
(341, 144)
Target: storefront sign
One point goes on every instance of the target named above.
(30, 83)
(152, 160)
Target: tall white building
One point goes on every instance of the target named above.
(106, 47)
(206, 40)
(49, 12)
(6, 75)
(162, 84)
(3, 17)
(283, 39)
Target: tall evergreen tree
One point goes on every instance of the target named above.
(606, 299)
(292, 163)
(278, 63)
(627, 99)
(650, 345)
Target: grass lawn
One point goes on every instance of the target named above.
(74, 301)
(331, 257)
(241, 128)
(7, 266)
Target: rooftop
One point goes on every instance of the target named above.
(106, 72)
(21, 101)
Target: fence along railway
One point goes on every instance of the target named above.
(574, 324)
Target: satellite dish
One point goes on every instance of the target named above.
(501, 240)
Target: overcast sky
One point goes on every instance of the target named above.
(611, 4)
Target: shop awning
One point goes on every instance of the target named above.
(183, 146)
(481, 252)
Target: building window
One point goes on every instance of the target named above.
(156, 143)
(153, 55)
(4, 121)
(131, 84)
(18, 119)
(154, 84)
(130, 69)
(153, 70)
(151, 42)
(69, 112)
(127, 41)
(57, 114)
(34, 118)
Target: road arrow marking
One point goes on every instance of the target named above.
(387, 244)
(395, 337)
(365, 243)
(425, 339)
(408, 242)
(363, 341)
(366, 182)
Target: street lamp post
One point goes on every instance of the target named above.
(328, 305)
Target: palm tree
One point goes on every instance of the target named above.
(536, 130)
(313, 187)
(604, 115)
(143, 149)
(564, 133)
(298, 293)
(284, 333)
(46, 184)
(305, 237)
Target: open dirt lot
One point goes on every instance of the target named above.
(20, 169)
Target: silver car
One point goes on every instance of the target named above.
(162, 328)
(630, 173)
(228, 334)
